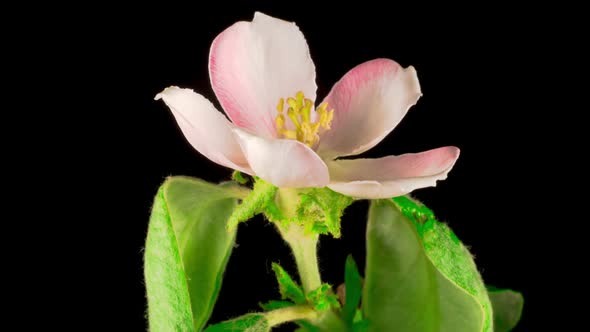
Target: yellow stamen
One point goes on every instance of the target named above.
(306, 110)
(315, 127)
(299, 97)
(299, 112)
(329, 120)
(280, 121)
(325, 116)
(307, 134)
(292, 103)
(281, 105)
(291, 134)
(293, 116)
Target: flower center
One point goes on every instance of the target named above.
(299, 112)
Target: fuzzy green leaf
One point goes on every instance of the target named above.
(353, 290)
(183, 264)
(322, 298)
(507, 306)
(419, 277)
(246, 323)
(261, 195)
(287, 286)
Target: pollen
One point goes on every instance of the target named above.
(299, 112)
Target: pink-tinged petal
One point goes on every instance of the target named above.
(205, 128)
(254, 64)
(368, 102)
(393, 175)
(283, 162)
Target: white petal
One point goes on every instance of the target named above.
(283, 162)
(393, 175)
(205, 128)
(254, 64)
(368, 102)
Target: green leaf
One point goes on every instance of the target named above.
(353, 289)
(322, 298)
(261, 195)
(289, 289)
(361, 326)
(246, 323)
(187, 249)
(507, 306)
(419, 277)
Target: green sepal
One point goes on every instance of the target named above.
(262, 193)
(239, 177)
(273, 213)
(320, 209)
(288, 288)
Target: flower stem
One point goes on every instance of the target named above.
(303, 246)
(279, 316)
(304, 249)
(329, 321)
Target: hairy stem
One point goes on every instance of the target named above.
(329, 321)
(289, 314)
(304, 249)
(303, 246)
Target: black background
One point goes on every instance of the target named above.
(477, 78)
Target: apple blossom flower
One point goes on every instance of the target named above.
(264, 78)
